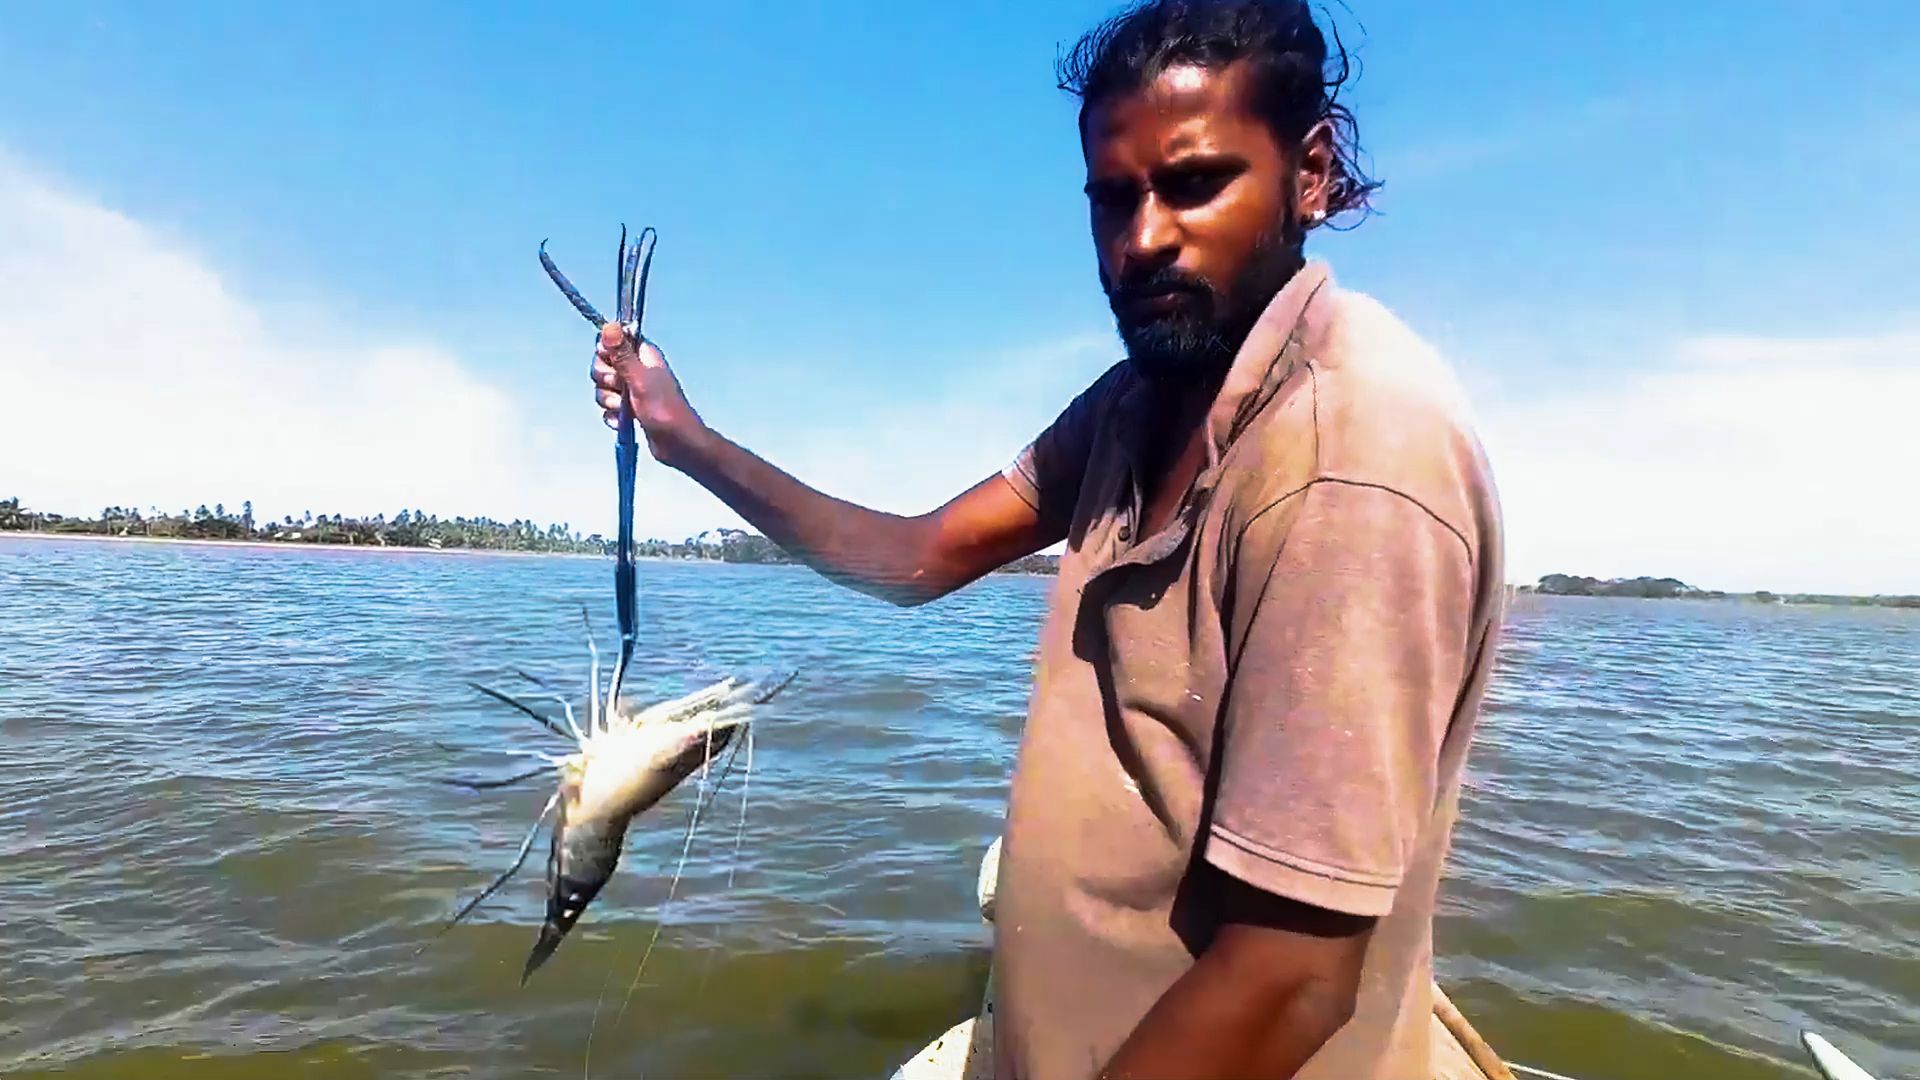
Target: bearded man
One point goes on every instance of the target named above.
(1277, 607)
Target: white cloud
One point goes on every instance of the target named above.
(1736, 463)
(132, 374)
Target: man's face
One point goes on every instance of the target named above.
(1193, 207)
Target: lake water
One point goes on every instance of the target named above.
(1691, 829)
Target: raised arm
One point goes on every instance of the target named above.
(904, 560)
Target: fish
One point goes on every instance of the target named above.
(621, 771)
(622, 764)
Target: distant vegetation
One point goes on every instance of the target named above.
(409, 529)
(1666, 587)
(416, 529)
(1033, 564)
(1570, 585)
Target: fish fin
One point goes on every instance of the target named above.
(534, 679)
(488, 785)
(518, 861)
(766, 690)
(514, 702)
(544, 945)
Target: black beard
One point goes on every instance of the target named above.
(1197, 340)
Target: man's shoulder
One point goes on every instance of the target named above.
(1372, 403)
(1091, 406)
(1366, 357)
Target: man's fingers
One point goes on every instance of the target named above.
(614, 348)
(618, 361)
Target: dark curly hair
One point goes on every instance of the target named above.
(1297, 82)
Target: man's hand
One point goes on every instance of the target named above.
(1279, 978)
(659, 406)
(904, 560)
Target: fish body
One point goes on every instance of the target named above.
(621, 770)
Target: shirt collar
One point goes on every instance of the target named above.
(1255, 373)
(1256, 370)
(1273, 348)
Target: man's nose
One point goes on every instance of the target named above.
(1155, 233)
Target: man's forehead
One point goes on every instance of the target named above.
(1186, 106)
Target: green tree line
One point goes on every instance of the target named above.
(407, 529)
(1673, 588)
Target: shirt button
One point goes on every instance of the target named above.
(1126, 533)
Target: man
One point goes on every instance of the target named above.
(1276, 611)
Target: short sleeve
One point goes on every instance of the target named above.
(1356, 607)
(1047, 473)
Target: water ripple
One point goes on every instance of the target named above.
(1689, 829)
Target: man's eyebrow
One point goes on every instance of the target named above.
(1197, 161)
(1204, 161)
(1108, 183)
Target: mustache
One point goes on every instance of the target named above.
(1145, 283)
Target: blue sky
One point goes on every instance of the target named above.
(1669, 249)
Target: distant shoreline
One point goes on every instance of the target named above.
(1894, 602)
(397, 549)
(1667, 588)
(299, 545)
(1522, 592)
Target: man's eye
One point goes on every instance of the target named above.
(1194, 187)
(1112, 198)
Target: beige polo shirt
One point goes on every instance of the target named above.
(1283, 681)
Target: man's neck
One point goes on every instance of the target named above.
(1174, 449)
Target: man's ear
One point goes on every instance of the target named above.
(1313, 175)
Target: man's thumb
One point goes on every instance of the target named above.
(612, 335)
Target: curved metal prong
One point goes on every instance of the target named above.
(619, 279)
(572, 294)
(623, 279)
(637, 306)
